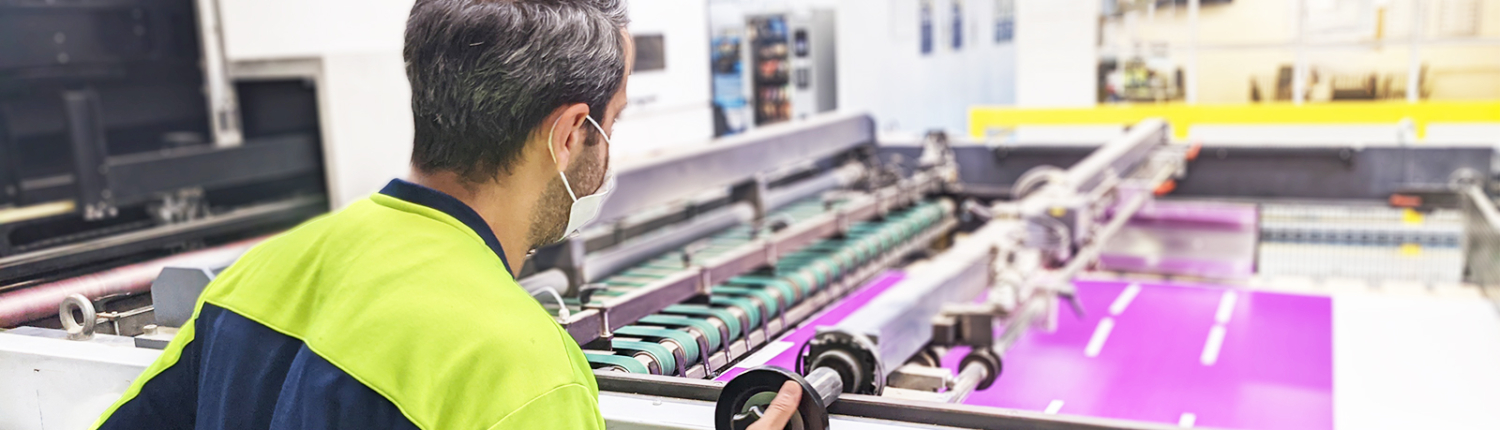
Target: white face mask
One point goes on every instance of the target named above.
(585, 208)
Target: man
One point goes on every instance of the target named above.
(401, 310)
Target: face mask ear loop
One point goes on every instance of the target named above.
(550, 135)
(562, 308)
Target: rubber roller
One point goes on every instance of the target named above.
(663, 356)
(685, 335)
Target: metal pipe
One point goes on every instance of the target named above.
(1089, 253)
(20, 306)
(1123, 151)
(610, 261)
(827, 383)
(967, 381)
(1017, 326)
(901, 318)
(836, 178)
(554, 279)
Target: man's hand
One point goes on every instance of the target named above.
(781, 409)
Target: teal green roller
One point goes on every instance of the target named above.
(708, 330)
(689, 345)
(704, 311)
(805, 283)
(626, 281)
(824, 270)
(773, 305)
(662, 355)
(649, 272)
(608, 293)
(865, 245)
(745, 305)
(788, 291)
(839, 252)
(871, 234)
(811, 280)
(629, 363)
(814, 252)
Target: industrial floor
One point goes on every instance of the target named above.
(1246, 357)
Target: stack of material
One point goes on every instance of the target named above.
(1366, 242)
(1204, 239)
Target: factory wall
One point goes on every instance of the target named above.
(1056, 53)
(882, 70)
(668, 107)
(366, 100)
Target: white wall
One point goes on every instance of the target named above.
(366, 101)
(882, 70)
(1056, 53)
(670, 107)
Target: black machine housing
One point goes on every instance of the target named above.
(104, 119)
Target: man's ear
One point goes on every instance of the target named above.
(565, 126)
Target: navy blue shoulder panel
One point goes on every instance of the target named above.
(318, 395)
(239, 374)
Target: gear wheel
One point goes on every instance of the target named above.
(853, 356)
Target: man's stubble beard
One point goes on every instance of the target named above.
(550, 217)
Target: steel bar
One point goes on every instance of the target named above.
(678, 175)
(968, 379)
(626, 309)
(613, 260)
(20, 306)
(266, 215)
(1117, 155)
(836, 178)
(137, 178)
(1483, 250)
(1122, 215)
(1017, 325)
(875, 407)
(607, 262)
(899, 321)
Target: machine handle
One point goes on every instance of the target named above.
(748, 395)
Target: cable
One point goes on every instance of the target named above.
(562, 307)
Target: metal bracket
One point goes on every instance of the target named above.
(965, 324)
(753, 192)
(86, 134)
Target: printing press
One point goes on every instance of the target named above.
(890, 277)
(815, 253)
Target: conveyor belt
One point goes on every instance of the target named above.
(746, 311)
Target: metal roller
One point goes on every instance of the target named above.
(745, 398)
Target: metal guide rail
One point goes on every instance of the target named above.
(1482, 222)
(692, 272)
(745, 311)
(1062, 219)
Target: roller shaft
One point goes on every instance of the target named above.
(27, 304)
(967, 381)
(827, 382)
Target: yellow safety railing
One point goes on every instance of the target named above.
(983, 119)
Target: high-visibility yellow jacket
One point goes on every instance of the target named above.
(397, 312)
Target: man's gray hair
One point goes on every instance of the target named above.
(485, 73)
